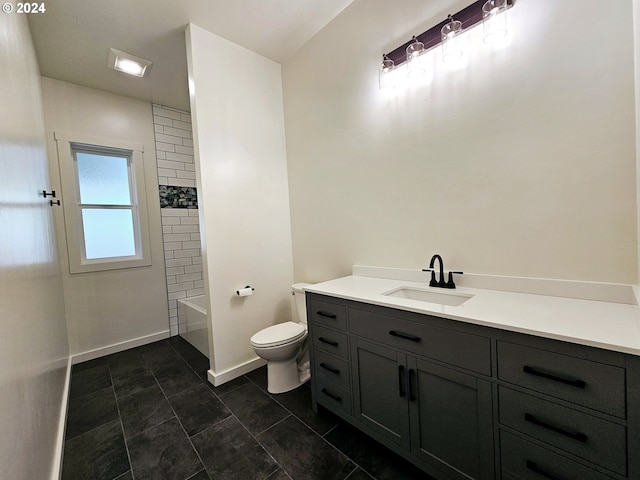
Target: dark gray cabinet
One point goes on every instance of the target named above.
(593, 384)
(464, 402)
(591, 438)
(562, 411)
(381, 391)
(406, 386)
(453, 413)
(329, 352)
(440, 415)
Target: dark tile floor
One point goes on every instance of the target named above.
(149, 413)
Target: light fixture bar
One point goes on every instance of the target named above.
(469, 16)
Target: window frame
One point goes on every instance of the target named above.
(67, 145)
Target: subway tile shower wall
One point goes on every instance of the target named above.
(174, 147)
(180, 226)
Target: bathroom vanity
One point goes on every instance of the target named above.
(466, 391)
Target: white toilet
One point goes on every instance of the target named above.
(284, 347)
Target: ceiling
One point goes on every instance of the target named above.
(72, 39)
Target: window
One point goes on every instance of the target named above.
(104, 203)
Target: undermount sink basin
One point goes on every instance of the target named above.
(442, 298)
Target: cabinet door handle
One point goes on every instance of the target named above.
(581, 437)
(331, 369)
(401, 381)
(533, 466)
(412, 376)
(331, 395)
(326, 314)
(567, 381)
(406, 336)
(328, 342)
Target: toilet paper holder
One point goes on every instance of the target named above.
(246, 291)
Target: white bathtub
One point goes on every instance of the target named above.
(192, 322)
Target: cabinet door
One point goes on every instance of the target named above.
(380, 391)
(451, 419)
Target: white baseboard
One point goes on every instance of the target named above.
(56, 468)
(119, 347)
(218, 378)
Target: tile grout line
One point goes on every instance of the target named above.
(330, 430)
(175, 415)
(357, 465)
(231, 415)
(301, 420)
(203, 380)
(292, 414)
(255, 439)
(277, 423)
(178, 418)
(188, 439)
(124, 436)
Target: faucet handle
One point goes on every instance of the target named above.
(433, 282)
(450, 283)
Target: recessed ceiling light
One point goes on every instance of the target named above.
(124, 62)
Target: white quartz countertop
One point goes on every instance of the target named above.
(602, 324)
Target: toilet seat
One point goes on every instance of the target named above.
(278, 335)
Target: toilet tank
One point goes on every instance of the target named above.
(300, 304)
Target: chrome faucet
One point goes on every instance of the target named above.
(440, 282)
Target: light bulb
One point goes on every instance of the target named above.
(494, 21)
(130, 67)
(415, 65)
(384, 75)
(451, 46)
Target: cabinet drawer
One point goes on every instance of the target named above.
(596, 440)
(456, 348)
(333, 396)
(524, 460)
(330, 341)
(591, 384)
(331, 368)
(321, 312)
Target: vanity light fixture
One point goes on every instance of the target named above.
(127, 63)
(491, 12)
(494, 20)
(451, 48)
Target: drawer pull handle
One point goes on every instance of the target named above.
(533, 466)
(326, 314)
(328, 342)
(566, 381)
(412, 376)
(581, 437)
(406, 336)
(331, 369)
(331, 395)
(401, 381)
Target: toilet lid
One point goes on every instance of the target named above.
(278, 334)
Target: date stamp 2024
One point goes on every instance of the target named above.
(33, 7)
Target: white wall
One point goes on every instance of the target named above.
(636, 43)
(33, 343)
(236, 107)
(105, 309)
(522, 163)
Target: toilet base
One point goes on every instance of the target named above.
(284, 376)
